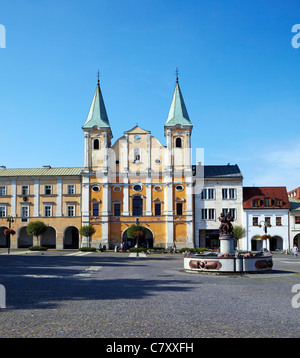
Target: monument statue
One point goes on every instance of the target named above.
(226, 227)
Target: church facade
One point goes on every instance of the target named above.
(136, 179)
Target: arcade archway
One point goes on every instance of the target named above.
(3, 238)
(256, 243)
(276, 242)
(296, 240)
(146, 241)
(71, 238)
(24, 240)
(48, 239)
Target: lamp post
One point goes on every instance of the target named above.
(266, 225)
(9, 220)
(137, 236)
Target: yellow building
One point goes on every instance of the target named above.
(138, 177)
(135, 177)
(51, 195)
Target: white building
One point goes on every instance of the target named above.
(266, 212)
(218, 189)
(295, 222)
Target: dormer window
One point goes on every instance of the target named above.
(268, 202)
(96, 144)
(278, 203)
(256, 203)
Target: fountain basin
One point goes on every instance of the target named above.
(228, 263)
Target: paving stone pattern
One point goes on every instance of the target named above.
(110, 295)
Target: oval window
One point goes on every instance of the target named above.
(179, 187)
(116, 189)
(158, 188)
(95, 188)
(137, 187)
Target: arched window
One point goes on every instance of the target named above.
(137, 206)
(178, 142)
(96, 144)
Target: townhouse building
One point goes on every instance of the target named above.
(267, 218)
(218, 189)
(294, 222)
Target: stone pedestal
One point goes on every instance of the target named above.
(227, 244)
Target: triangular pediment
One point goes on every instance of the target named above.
(157, 200)
(137, 130)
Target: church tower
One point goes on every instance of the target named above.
(95, 181)
(97, 134)
(178, 173)
(178, 129)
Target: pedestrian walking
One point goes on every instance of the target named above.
(295, 250)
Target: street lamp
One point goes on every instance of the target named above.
(266, 225)
(9, 220)
(137, 236)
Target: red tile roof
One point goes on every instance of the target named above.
(275, 192)
(294, 193)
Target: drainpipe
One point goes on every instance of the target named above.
(247, 230)
(289, 235)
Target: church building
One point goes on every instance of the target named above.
(138, 178)
(135, 179)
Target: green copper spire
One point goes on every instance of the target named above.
(178, 114)
(97, 114)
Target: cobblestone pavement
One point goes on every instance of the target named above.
(110, 295)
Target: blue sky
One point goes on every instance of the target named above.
(238, 72)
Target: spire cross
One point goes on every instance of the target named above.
(98, 75)
(177, 73)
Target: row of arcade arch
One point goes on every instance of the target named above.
(70, 238)
(276, 242)
(48, 239)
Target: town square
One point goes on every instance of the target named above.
(111, 295)
(150, 171)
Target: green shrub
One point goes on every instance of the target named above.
(86, 248)
(183, 249)
(198, 250)
(140, 249)
(37, 248)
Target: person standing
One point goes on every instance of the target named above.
(295, 250)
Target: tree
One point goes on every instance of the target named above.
(36, 228)
(239, 232)
(136, 231)
(87, 231)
